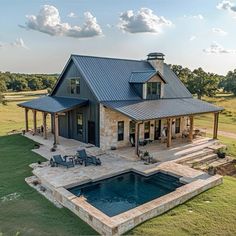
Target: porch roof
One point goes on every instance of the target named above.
(52, 104)
(162, 108)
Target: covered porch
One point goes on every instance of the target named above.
(169, 113)
(49, 106)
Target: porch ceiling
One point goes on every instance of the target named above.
(52, 104)
(162, 108)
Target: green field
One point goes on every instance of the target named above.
(29, 213)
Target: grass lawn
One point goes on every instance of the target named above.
(29, 213)
(211, 213)
(227, 119)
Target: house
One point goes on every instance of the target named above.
(111, 102)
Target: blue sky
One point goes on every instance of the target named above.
(39, 36)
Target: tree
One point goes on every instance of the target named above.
(202, 83)
(182, 73)
(229, 83)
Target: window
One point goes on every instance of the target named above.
(75, 86)
(120, 130)
(177, 126)
(80, 123)
(147, 130)
(153, 90)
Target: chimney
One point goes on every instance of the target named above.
(156, 59)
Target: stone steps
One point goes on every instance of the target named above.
(203, 159)
(194, 155)
(215, 163)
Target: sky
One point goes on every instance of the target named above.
(39, 36)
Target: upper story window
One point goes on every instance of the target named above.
(153, 90)
(75, 86)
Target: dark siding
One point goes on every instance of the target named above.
(138, 87)
(90, 112)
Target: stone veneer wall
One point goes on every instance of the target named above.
(109, 126)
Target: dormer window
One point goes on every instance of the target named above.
(153, 90)
(75, 86)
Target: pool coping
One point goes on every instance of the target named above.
(125, 221)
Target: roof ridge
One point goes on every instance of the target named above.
(147, 71)
(111, 58)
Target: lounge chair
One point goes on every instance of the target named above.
(88, 159)
(58, 160)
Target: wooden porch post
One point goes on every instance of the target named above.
(136, 138)
(169, 132)
(26, 120)
(191, 129)
(35, 121)
(56, 131)
(216, 122)
(45, 125)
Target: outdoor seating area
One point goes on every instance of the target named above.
(79, 158)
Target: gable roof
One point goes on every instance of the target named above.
(108, 78)
(144, 76)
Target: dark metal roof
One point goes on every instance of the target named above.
(144, 76)
(52, 104)
(109, 78)
(162, 108)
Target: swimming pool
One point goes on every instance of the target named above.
(123, 192)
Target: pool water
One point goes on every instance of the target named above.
(120, 193)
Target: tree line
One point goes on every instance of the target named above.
(203, 83)
(25, 82)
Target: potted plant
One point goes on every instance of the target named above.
(221, 153)
(211, 170)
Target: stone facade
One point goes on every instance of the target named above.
(109, 128)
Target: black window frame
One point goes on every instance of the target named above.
(120, 130)
(177, 128)
(75, 85)
(147, 129)
(80, 127)
(153, 90)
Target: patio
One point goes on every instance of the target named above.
(56, 180)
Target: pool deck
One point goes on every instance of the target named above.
(58, 179)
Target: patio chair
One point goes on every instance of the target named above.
(88, 159)
(58, 160)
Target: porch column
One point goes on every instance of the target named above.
(216, 122)
(26, 120)
(136, 138)
(35, 121)
(169, 131)
(45, 125)
(191, 129)
(56, 131)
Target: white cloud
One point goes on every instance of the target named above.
(198, 17)
(193, 37)
(225, 5)
(144, 21)
(219, 31)
(216, 48)
(48, 21)
(72, 15)
(18, 43)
